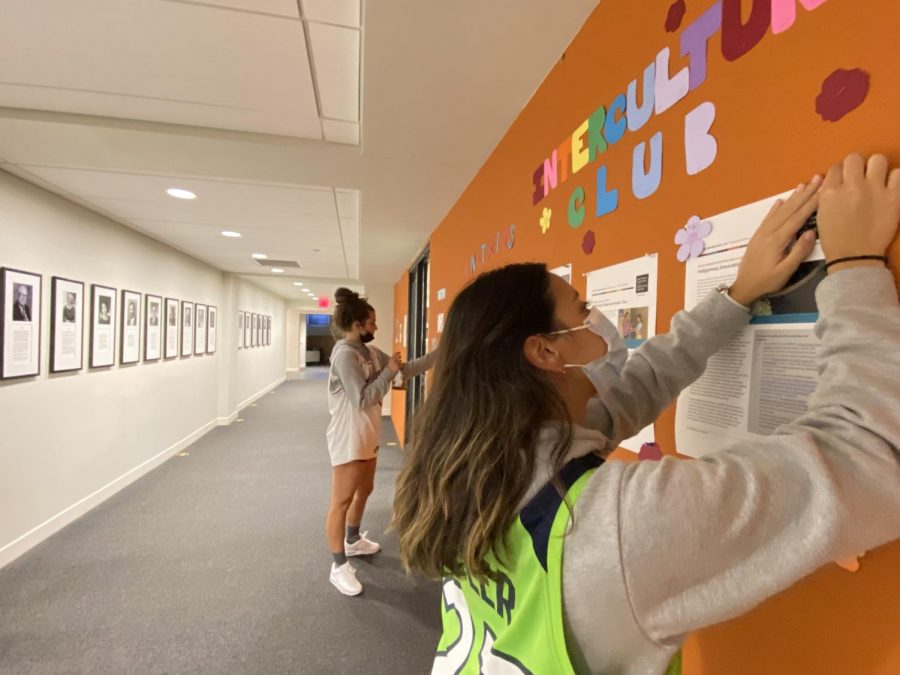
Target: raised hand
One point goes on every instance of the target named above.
(774, 253)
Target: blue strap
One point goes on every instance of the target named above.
(538, 515)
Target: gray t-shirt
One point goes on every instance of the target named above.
(370, 381)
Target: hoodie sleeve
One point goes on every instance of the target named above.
(663, 366)
(702, 541)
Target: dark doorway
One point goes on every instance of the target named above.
(417, 336)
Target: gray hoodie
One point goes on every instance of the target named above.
(660, 549)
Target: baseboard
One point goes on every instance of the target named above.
(293, 370)
(54, 524)
(262, 392)
(225, 421)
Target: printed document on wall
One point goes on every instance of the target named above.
(564, 272)
(626, 294)
(764, 376)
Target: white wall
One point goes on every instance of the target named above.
(301, 340)
(71, 440)
(258, 367)
(292, 340)
(295, 339)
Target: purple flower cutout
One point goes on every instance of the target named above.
(691, 237)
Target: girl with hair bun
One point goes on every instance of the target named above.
(359, 379)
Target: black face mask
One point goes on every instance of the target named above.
(368, 337)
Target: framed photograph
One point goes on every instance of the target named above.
(240, 330)
(246, 330)
(153, 320)
(130, 342)
(200, 335)
(269, 330)
(170, 335)
(20, 339)
(66, 325)
(253, 334)
(187, 328)
(103, 326)
(259, 329)
(212, 319)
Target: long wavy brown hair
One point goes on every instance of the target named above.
(472, 454)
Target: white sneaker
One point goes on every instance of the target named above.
(361, 546)
(344, 579)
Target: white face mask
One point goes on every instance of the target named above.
(609, 366)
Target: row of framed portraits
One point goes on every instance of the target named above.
(161, 327)
(254, 330)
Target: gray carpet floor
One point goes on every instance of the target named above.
(215, 562)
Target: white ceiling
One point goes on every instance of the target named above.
(255, 106)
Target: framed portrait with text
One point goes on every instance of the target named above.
(170, 335)
(240, 329)
(20, 337)
(246, 330)
(153, 327)
(200, 329)
(253, 328)
(212, 328)
(130, 331)
(187, 328)
(66, 325)
(103, 326)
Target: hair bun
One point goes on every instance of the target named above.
(343, 295)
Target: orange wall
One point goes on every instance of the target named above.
(401, 305)
(769, 139)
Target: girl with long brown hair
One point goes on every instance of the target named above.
(557, 560)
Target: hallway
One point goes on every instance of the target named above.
(215, 562)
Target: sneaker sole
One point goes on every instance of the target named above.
(353, 555)
(342, 591)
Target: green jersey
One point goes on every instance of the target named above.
(513, 624)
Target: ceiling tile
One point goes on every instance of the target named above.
(274, 243)
(350, 232)
(336, 59)
(347, 203)
(220, 69)
(339, 131)
(150, 190)
(286, 8)
(343, 12)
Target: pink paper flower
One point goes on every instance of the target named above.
(690, 238)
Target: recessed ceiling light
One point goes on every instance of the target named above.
(298, 283)
(178, 193)
(229, 233)
(259, 256)
(277, 270)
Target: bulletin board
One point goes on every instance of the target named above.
(750, 98)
